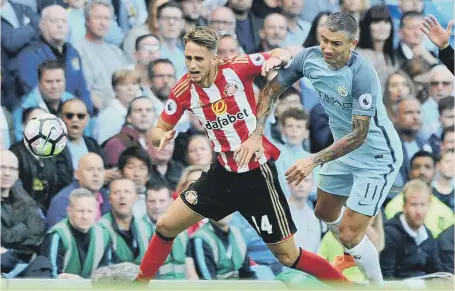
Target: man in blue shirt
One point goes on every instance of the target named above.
(361, 165)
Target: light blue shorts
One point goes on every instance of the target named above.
(366, 188)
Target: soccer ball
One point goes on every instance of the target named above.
(45, 136)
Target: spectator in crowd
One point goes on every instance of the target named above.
(397, 85)
(158, 200)
(223, 21)
(376, 41)
(189, 175)
(126, 85)
(332, 250)
(139, 119)
(262, 8)
(147, 50)
(247, 25)
(228, 46)
(77, 246)
(439, 216)
(6, 129)
(440, 38)
(99, 58)
(164, 169)
(312, 8)
(274, 32)
(52, 45)
(289, 99)
(20, 26)
(129, 14)
(398, 12)
(314, 35)
(192, 13)
(76, 20)
(38, 175)
(441, 85)
(129, 235)
(293, 144)
(448, 138)
(170, 29)
(443, 187)
(355, 7)
(48, 95)
(446, 110)
(162, 77)
(22, 220)
(148, 27)
(181, 141)
(309, 227)
(208, 248)
(199, 151)
(407, 119)
(411, 45)
(298, 28)
(410, 249)
(135, 164)
(114, 275)
(76, 118)
(89, 175)
(446, 249)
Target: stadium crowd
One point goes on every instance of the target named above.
(107, 67)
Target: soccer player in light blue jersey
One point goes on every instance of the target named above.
(359, 168)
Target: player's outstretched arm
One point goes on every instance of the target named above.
(161, 134)
(352, 141)
(278, 57)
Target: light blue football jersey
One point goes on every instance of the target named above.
(354, 89)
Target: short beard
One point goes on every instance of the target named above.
(408, 132)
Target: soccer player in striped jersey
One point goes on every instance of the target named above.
(220, 94)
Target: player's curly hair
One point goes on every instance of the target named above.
(203, 36)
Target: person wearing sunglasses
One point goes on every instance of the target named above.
(76, 118)
(440, 85)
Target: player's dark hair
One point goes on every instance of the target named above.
(296, 113)
(153, 63)
(134, 152)
(375, 14)
(447, 130)
(421, 154)
(169, 4)
(343, 22)
(311, 39)
(203, 36)
(157, 186)
(49, 65)
(409, 14)
(142, 37)
(446, 103)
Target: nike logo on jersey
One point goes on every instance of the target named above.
(221, 122)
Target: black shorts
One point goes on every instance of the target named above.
(256, 194)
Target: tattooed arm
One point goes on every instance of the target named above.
(352, 141)
(267, 99)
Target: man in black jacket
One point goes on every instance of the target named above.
(410, 249)
(440, 37)
(22, 220)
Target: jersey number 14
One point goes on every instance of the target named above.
(265, 224)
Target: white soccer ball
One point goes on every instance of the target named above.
(45, 136)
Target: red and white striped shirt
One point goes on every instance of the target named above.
(227, 109)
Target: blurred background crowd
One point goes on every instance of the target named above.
(106, 68)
